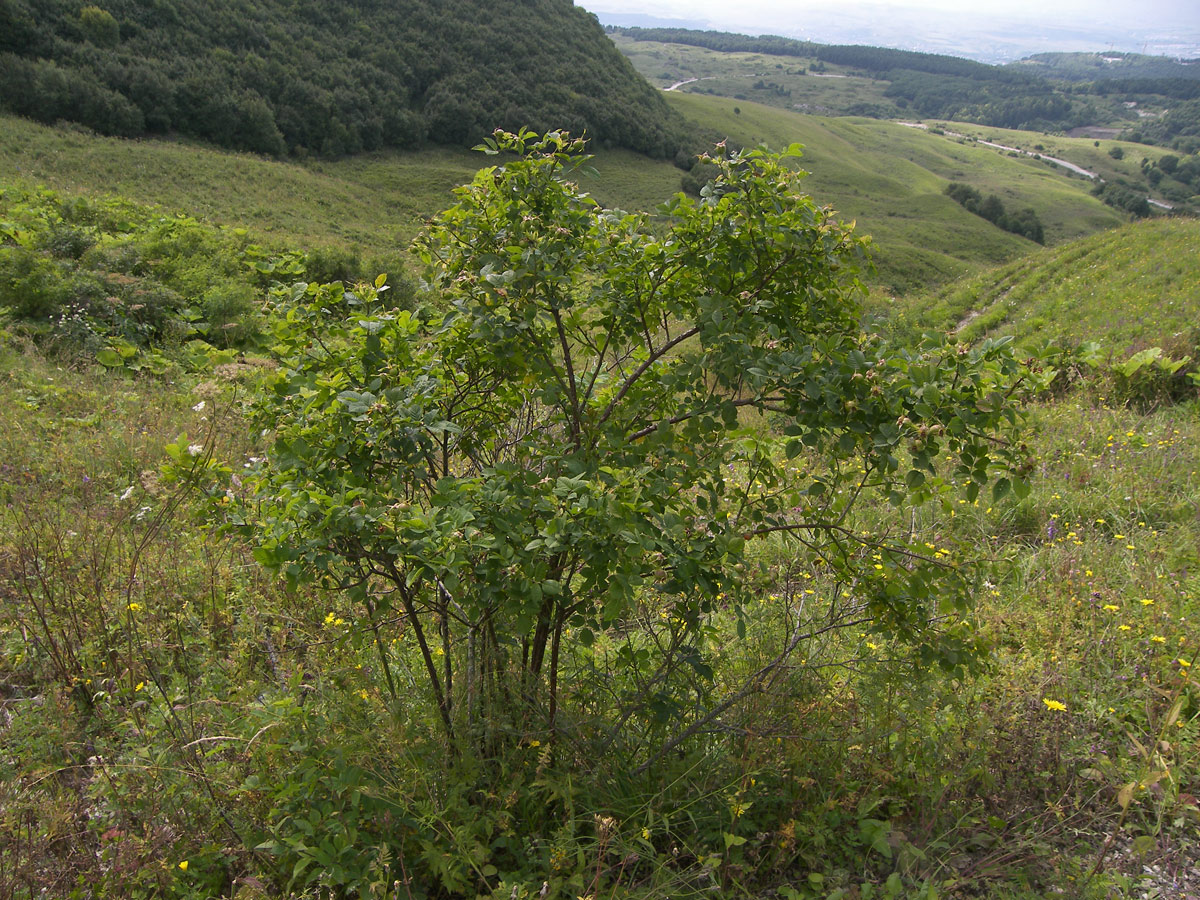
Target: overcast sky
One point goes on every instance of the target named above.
(1168, 26)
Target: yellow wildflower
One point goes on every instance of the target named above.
(1054, 704)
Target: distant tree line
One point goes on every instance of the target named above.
(326, 77)
(724, 41)
(1121, 196)
(1030, 104)
(1024, 222)
(1176, 88)
(1109, 66)
(883, 60)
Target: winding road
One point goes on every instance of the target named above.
(1079, 170)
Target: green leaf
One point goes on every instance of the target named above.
(1144, 844)
(1000, 488)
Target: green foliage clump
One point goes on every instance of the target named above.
(1024, 222)
(546, 487)
(85, 275)
(1123, 197)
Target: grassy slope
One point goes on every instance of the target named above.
(1085, 152)
(375, 202)
(887, 177)
(891, 178)
(284, 202)
(1103, 553)
(1131, 288)
(735, 75)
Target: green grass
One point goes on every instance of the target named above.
(891, 179)
(888, 178)
(374, 203)
(837, 91)
(1087, 153)
(1129, 288)
(980, 787)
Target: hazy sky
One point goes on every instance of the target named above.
(1006, 26)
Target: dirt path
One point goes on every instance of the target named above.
(677, 85)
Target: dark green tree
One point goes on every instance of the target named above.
(558, 446)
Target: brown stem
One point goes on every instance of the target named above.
(430, 667)
(383, 660)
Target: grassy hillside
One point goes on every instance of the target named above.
(774, 80)
(892, 178)
(1149, 99)
(1129, 288)
(1121, 162)
(889, 178)
(325, 77)
(132, 636)
(177, 722)
(372, 203)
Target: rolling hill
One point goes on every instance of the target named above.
(1146, 99)
(889, 178)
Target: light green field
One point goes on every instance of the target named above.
(891, 179)
(1129, 288)
(375, 203)
(887, 177)
(1087, 153)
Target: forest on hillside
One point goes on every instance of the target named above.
(321, 77)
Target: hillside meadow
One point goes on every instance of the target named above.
(888, 178)
(892, 180)
(184, 716)
(1131, 288)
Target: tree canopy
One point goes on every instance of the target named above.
(275, 76)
